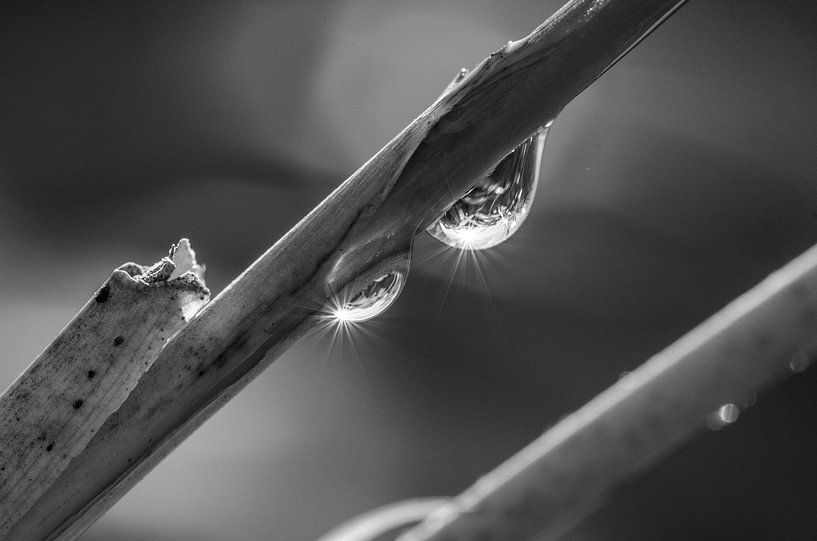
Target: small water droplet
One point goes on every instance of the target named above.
(370, 300)
(498, 203)
(725, 415)
(803, 359)
(456, 80)
(749, 401)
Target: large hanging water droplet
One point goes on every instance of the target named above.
(498, 203)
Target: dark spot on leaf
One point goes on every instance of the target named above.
(91, 374)
(78, 403)
(50, 446)
(103, 294)
(118, 341)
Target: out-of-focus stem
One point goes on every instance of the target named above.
(757, 340)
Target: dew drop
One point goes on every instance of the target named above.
(370, 300)
(749, 400)
(498, 203)
(803, 359)
(799, 363)
(724, 415)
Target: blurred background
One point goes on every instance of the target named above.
(677, 181)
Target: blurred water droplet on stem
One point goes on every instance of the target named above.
(803, 359)
(725, 415)
(750, 400)
(498, 203)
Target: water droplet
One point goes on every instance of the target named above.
(728, 413)
(725, 415)
(498, 203)
(749, 400)
(803, 359)
(456, 80)
(370, 300)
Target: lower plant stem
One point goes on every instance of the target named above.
(757, 340)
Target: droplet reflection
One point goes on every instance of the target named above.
(725, 415)
(803, 359)
(370, 301)
(498, 203)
